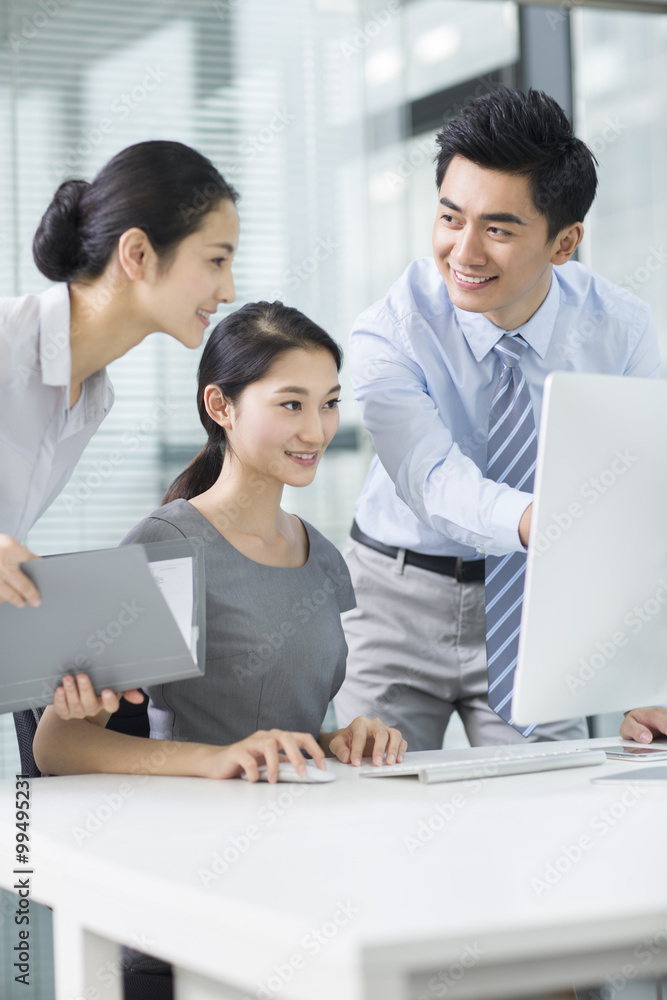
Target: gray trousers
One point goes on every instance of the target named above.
(417, 652)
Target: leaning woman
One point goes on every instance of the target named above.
(147, 246)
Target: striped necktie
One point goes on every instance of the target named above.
(511, 456)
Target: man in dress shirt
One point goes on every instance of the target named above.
(514, 187)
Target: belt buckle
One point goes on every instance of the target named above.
(458, 571)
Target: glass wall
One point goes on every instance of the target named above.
(620, 109)
(434, 57)
(620, 75)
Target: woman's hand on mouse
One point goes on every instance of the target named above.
(365, 738)
(263, 747)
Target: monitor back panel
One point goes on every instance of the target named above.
(594, 619)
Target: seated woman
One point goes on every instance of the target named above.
(275, 587)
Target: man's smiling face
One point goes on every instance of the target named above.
(490, 244)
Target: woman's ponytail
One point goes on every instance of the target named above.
(202, 472)
(57, 246)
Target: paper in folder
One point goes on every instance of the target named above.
(127, 617)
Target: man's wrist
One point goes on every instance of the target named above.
(508, 510)
(524, 526)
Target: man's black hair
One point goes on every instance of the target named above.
(527, 134)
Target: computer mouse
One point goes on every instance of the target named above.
(287, 772)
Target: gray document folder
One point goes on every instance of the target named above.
(102, 613)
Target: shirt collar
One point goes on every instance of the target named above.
(54, 336)
(482, 335)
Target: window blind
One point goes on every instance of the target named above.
(261, 88)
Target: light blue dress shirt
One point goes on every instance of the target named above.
(41, 438)
(424, 373)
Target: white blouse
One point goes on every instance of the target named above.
(41, 438)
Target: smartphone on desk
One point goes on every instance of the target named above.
(636, 753)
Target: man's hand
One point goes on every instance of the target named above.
(524, 525)
(15, 586)
(642, 724)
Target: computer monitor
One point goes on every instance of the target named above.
(594, 619)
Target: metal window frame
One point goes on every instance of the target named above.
(635, 6)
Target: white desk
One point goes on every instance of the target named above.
(395, 921)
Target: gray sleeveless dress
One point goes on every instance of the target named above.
(275, 648)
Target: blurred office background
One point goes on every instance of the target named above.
(322, 113)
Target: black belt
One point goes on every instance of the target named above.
(464, 572)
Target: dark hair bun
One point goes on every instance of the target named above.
(162, 187)
(56, 248)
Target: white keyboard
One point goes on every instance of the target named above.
(488, 767)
